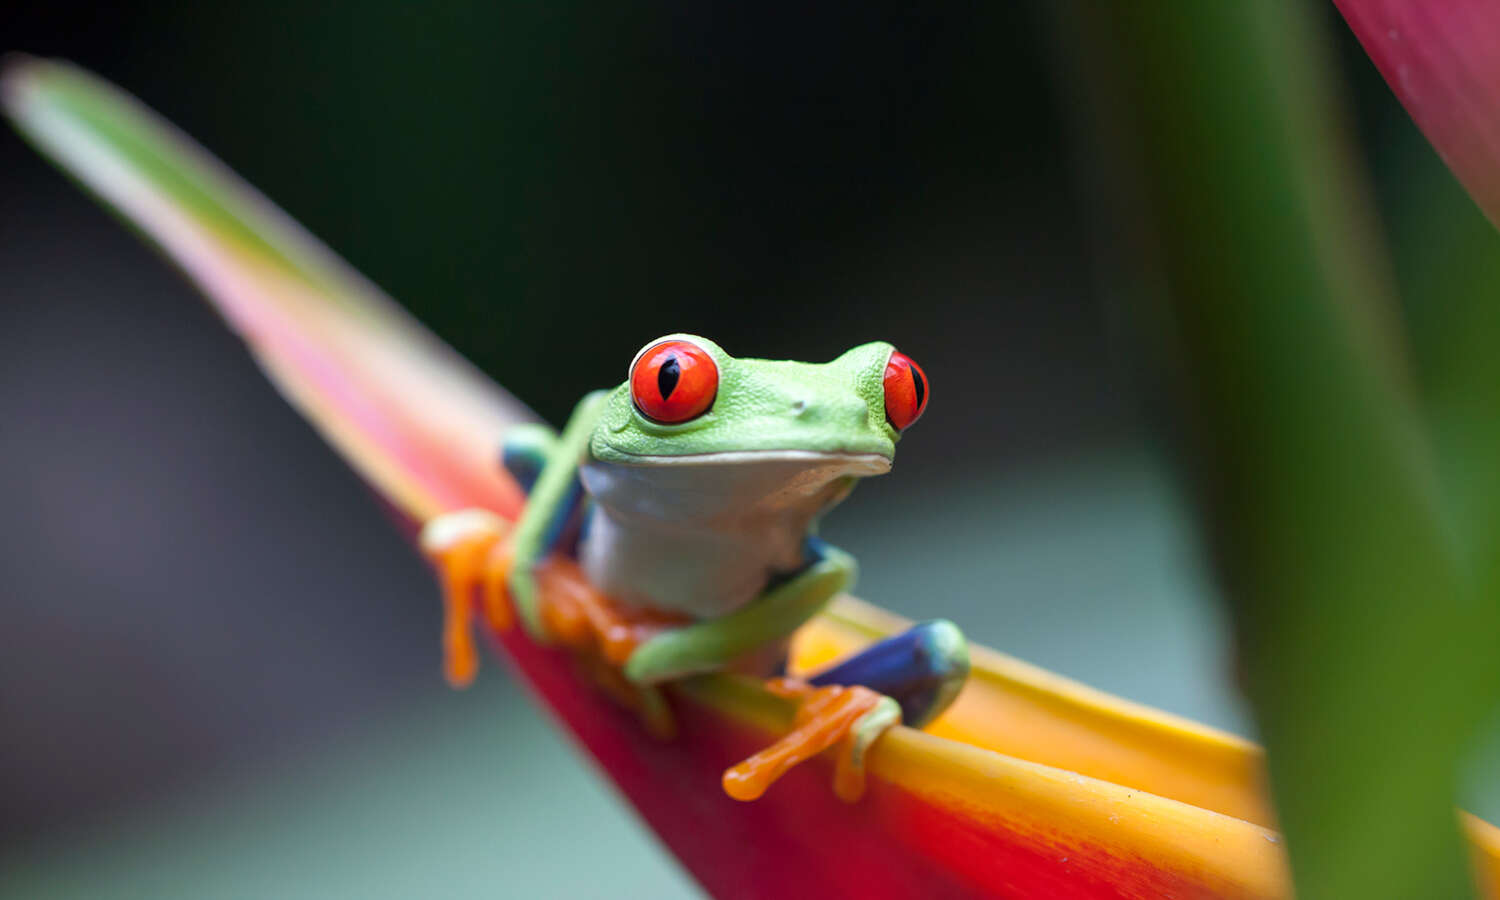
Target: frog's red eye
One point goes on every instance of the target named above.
(674, 381)
(905, 391)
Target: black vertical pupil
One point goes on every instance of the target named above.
(921, 385)
(667, 375)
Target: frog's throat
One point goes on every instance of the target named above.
(861, 464)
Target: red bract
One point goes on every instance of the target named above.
(1443, 61)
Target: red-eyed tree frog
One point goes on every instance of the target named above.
(694, 489)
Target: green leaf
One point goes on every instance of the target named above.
(1261, 277)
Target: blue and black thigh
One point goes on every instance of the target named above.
(922, 668)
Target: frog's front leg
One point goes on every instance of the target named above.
(714, 644)
(552, 507)
(851, 717)
(469, 549)
(474, 548)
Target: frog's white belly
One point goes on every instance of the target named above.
(704, 534)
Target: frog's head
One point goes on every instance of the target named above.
(686, 401)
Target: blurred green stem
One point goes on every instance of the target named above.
(1261, 275)
(1449, 257)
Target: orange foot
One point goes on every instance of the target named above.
(473, 554)
(852, 717)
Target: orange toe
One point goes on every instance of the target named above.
(463, 547)
(825, 717)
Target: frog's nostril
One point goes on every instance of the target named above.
(799, 407)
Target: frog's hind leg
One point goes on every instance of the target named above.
(526, 451)
(922, 669)
(910, 677)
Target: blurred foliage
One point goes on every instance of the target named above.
(729, 170)
(1356, 621)
(1448, 264)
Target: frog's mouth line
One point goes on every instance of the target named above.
(854, 463)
